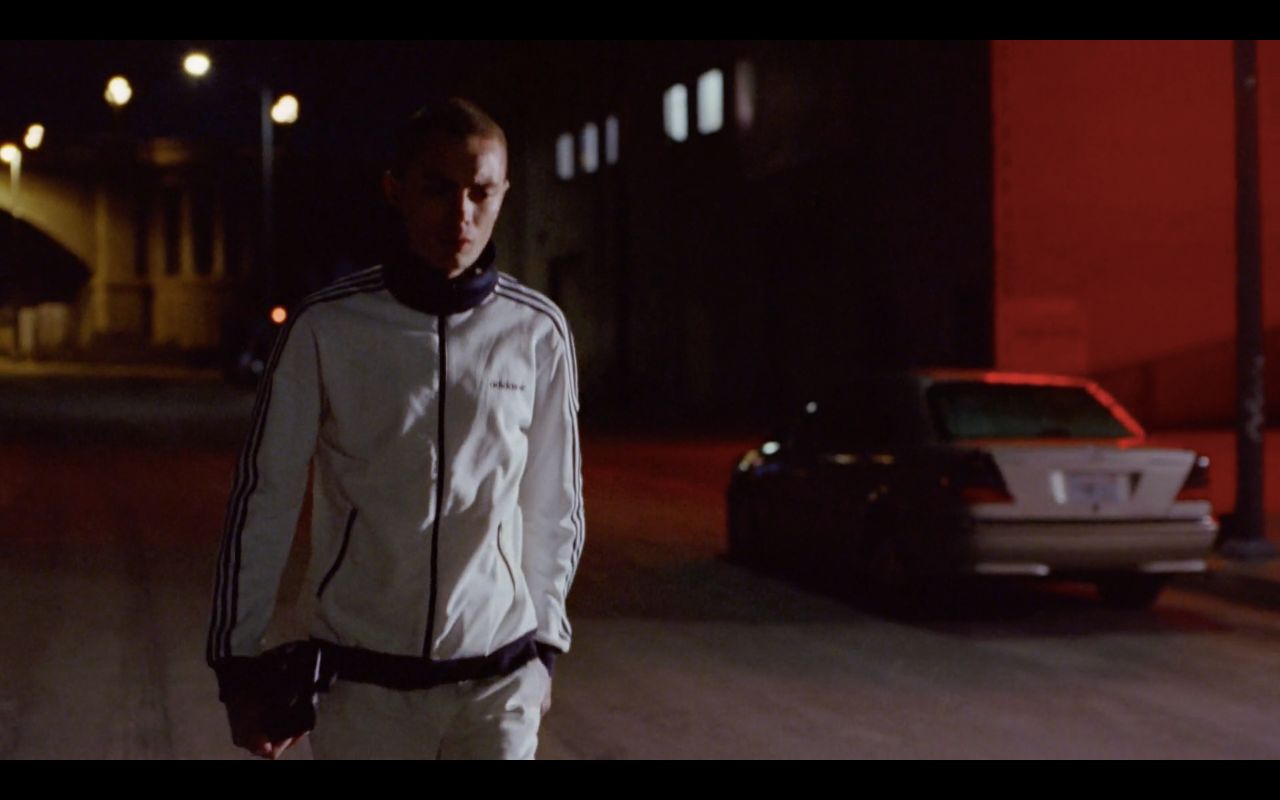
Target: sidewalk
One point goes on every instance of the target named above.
(26, 368)
(1252, 582)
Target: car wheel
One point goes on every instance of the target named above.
(1131, 591)
(891, 585)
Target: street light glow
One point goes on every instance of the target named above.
(118, 91)
(9, 153)
(279, 315)
(35, 135)
(285, 111)
(196, 64)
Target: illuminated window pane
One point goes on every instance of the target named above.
(675, 112)
(711, 101)
(744, 94)
(564, 156)
(611, 140)
(589, 153)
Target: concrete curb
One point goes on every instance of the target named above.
(1252, 582)
(10, 368)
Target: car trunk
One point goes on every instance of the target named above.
(1101, 482)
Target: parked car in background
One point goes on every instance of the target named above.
(911, 477)
(248, 341)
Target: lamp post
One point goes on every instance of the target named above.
(272, 111)
(11, 154)
(1246, 535)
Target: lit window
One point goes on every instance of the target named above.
(744, 94)
(589, 154)
(675, 112)
(564, 156)
(711, 101)
(611, 140)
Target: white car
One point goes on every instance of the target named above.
(941, 472)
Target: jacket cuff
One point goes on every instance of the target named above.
(547, 655)
(236, 676)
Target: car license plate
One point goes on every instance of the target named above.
(1093, 487)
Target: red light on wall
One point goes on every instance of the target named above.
(279, 315)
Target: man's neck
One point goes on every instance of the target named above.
(415, 282)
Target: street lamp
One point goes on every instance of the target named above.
(34, 136)
(11, 154)
(285, 111)
(196, 64)
(118, 92)
(282, 110)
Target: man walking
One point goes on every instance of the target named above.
(435, 399)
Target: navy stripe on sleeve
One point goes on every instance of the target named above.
(226, 589)
(536, 300)
(511, 290)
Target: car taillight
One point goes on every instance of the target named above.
(978, 480)
(1196, 486)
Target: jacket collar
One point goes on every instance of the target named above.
(418, 285)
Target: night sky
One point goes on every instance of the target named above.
(351, 92)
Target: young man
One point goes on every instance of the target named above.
(436, 400)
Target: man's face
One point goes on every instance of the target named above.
(450, 196)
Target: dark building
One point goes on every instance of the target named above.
(732, 225)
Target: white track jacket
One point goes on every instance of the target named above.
(447, 517)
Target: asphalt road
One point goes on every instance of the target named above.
(111, 499)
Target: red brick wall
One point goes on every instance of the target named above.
(1114, 216)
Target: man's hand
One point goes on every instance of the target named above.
(246, 729)
(546, 699)
(547, 658)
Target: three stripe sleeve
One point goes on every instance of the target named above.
(270, 484)
(551, 491)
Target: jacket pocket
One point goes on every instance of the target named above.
(342, 554)
(506, 561)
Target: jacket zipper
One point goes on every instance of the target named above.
(342, 553)
(440, 478)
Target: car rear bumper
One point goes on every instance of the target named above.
(1043, 548)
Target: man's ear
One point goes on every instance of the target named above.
(392, 189)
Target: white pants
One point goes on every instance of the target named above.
(491, 719)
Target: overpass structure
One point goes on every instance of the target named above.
(115, 247)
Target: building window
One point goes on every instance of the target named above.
(744, 94)
(611, 140)
(564, 156)
(675, 113)
(202, 228)
(172, 209)
(711, 101)
(589, 153)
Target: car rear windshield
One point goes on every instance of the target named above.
(977, 410)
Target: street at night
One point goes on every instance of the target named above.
(111, 517)
(732, 399)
